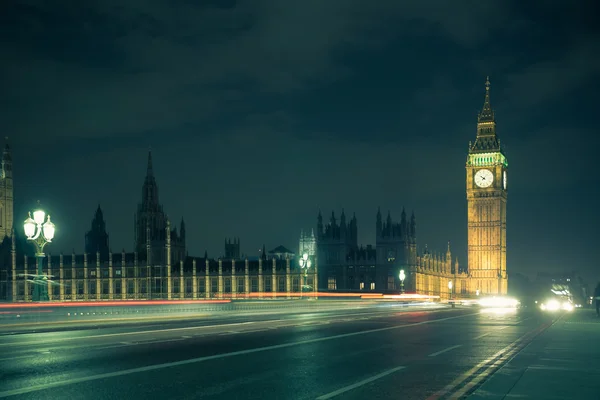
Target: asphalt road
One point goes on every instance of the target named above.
(378, 353)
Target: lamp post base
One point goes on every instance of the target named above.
(40, 290)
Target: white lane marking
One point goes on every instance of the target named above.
(186, 337)
(18, 357)
(127, 333)
(480, 336)
(445, 350)
(359, 384)
(161, 341)
(228, 333)
(155, 367)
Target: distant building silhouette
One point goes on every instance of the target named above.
(96, 239)
(345, 266)
(232, 249)
(150, 223)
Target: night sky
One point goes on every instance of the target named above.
(260, 113)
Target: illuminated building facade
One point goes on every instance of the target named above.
(486, 202)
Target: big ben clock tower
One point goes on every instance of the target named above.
(486, 203)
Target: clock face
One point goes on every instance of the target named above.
(504, 180)
(484, 178)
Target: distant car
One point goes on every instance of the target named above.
(557, 304)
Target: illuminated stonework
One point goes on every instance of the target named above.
(487, 208)
(6, 195)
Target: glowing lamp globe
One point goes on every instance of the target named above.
(49, 229)
(39, 216)
(305, 256)
(29, 227)
(308, 264)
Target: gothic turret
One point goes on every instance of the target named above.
(319, 224)
(96, 239)
(404, 225)
(413, 226)
(182, 230)
(378, 223)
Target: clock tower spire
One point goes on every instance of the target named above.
(486, 202)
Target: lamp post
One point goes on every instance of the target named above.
(305, 264)
(449, 290)
(402, 277)
(39, 233)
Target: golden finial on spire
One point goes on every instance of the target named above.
(487, 83)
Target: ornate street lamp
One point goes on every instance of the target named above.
(450, 289)
(402, 278)
(39, 233)
(305, 264)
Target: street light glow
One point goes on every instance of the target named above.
(450, 285)
(402, 275)
(29, 227)
(49, 229)
(40, 234)
(39, 216)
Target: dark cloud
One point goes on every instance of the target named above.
(260, 113)
(112, 68)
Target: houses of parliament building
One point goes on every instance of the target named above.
(159, 266)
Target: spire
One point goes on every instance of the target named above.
(99, 215)
(486, 140)
(149, 171)
(486, 114)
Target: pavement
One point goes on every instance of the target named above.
(563, 362)
(383, 352)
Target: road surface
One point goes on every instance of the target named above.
(378, 353)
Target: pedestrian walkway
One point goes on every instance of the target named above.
(562, 363)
